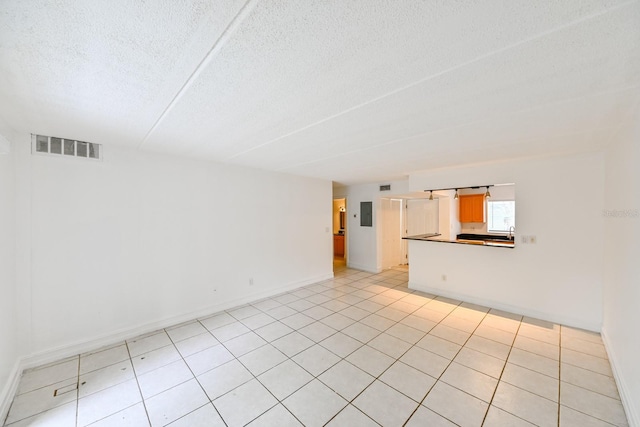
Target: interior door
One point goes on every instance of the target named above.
(392, 244)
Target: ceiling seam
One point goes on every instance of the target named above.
(246, 10)
(438, 74)
(396, 141)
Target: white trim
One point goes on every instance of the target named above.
(633, 418)
(83, 346)
(367, 268)
(10, 389)
(507, 307)
(5, 145)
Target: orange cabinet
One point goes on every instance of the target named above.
(338, 245)
(471, 208)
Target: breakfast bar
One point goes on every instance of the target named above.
(499, 241)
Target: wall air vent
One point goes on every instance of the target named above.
(55, 146)
(385, 187)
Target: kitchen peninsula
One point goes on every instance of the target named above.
(467, 239)
(482, 215)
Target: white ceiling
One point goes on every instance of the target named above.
(350, 91)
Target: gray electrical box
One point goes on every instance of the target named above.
(366, 214)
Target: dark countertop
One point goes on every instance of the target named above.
(437, 238)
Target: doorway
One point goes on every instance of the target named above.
(339, 234)
(403, 217)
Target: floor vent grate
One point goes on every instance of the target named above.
(64, 390)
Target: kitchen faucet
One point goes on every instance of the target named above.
(512, 230)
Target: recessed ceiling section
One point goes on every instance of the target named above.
(521, 134)
(351, 91)
(544, 82)
(357, 168)
(292, 67)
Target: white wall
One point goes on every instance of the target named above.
(559, 200)
(9, 351)
(144, 239)
(5, 145)
(364, 242)
(449, 223)
(622, 270)
(392, 229)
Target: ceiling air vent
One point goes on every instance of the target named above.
(55, 146)
(385, 187)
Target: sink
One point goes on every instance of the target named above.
(485, 238)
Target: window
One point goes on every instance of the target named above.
(501, 215)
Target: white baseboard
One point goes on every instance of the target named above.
(83, 346)
(507, 307)
(633, 417)
(363, 267)
(10, 389)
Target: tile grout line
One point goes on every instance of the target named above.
(350, 402)
(48, 365)
(289, 358)
(559, 373)
(251, 373)
(195, 377)
(366, 344)
(135, 375)
(505, 362)
(421, 403)
(548, 376)
(317, 377)
(560, 381)
(78, 392)
(546, 357)
(516, 334)
(262, 346)
(315, 343)
(6, 417)
(493, 395)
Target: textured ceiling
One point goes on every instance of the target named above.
(351, 91)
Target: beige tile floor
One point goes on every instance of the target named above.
(358, 350)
